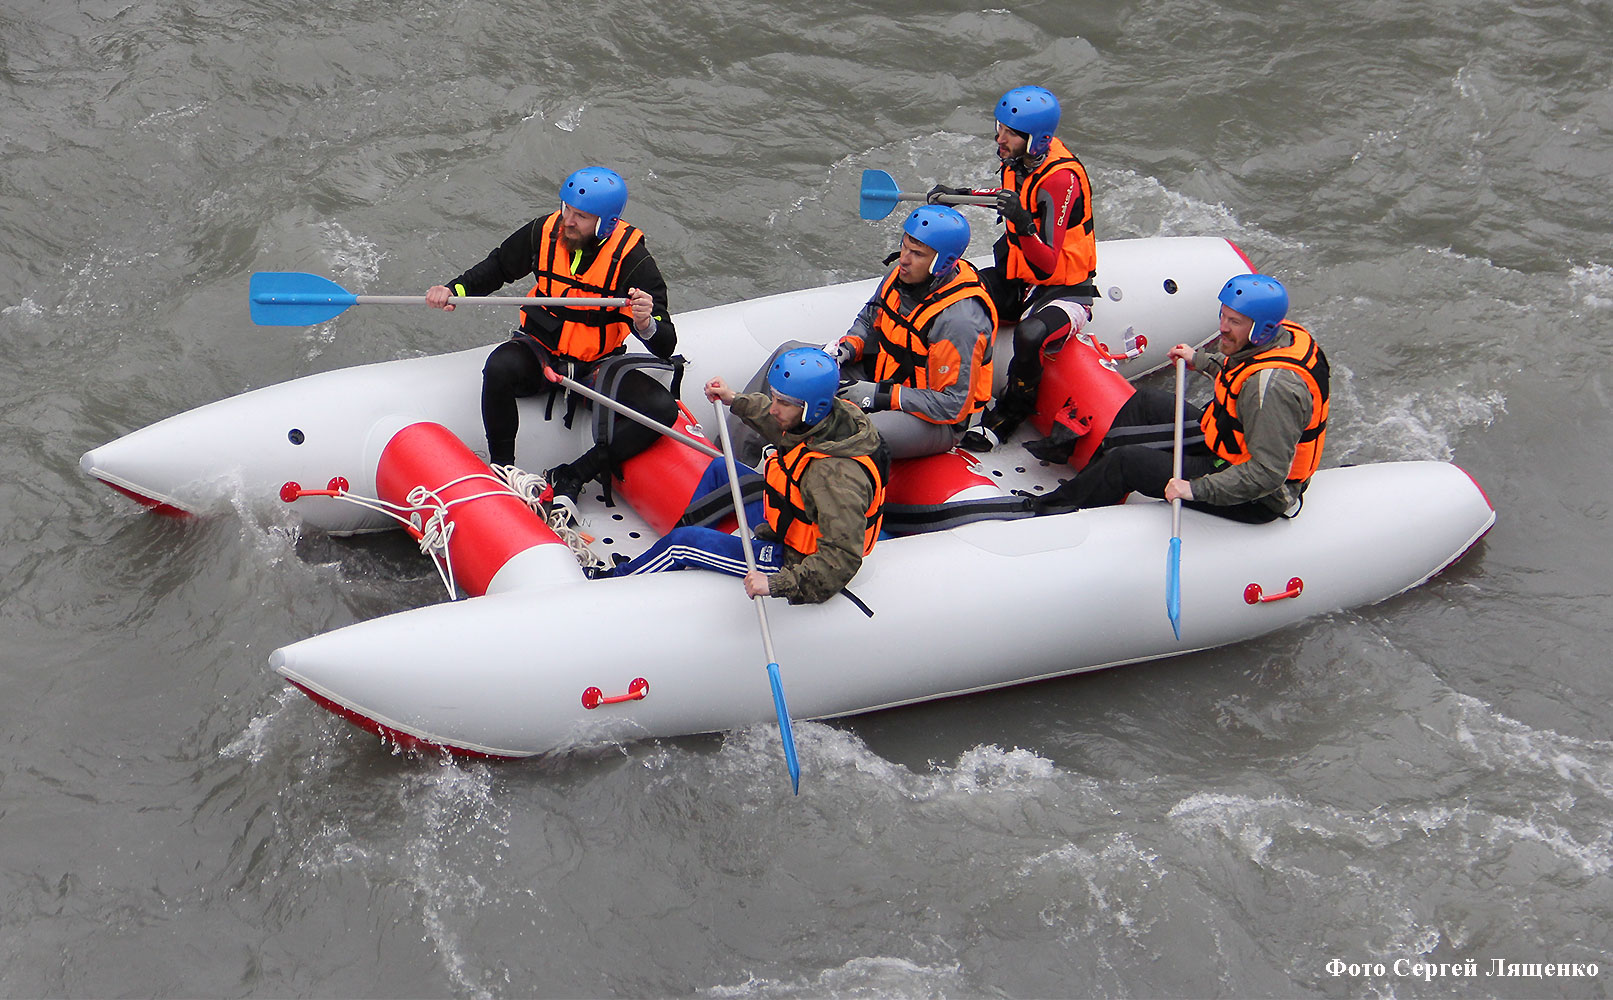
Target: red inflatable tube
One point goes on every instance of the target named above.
(659, 481)
(934, 479)
(488, 531)
(1089, 391)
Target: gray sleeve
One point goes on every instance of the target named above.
(862, 328)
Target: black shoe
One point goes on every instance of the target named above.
(979, 439)
(617, 561)
(1055, 449)
(995, 427)
(565, 482)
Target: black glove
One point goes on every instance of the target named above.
(933, 197)
(1014, 213)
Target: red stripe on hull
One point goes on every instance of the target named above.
(155, 506)
(403, 741)
(1243, 257)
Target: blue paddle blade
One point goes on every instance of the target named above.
(292, 298)
(1173, 586)
(879, 194)
(784, 728)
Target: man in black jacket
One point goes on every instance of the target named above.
(582, 250)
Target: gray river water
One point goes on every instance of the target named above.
(1428, 780)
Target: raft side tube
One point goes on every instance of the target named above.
(1087, 592)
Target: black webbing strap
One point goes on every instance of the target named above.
(710, 509)
(917, 519)
(853, 598)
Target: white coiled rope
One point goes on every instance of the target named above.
(561, 516)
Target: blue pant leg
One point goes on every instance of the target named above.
(716, 478)
(702, 548)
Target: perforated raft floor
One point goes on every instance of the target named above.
(616, 529)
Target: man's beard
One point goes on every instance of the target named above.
(570, 245)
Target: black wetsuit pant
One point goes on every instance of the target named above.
(1039, 326)
(1121, 468)
(514, 371)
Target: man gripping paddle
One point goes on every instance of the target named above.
(583, 250)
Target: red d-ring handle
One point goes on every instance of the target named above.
(1252, 594)
(636, 691)
(1138, 346)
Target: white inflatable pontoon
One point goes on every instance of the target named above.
(545, 659)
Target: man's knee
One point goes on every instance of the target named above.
(504, 368)
(655, 402)
(1041, 329)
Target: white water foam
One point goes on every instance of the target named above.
(450, 804)
(355, 260)
(27, 309)
(1501, 743)
(258, 738)
(876, 976)
(837, 758)
(569, 121)
(1415, 426)
(1115, 877)
(1594, 284)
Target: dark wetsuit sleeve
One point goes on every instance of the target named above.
(640, 271)
(509, 261)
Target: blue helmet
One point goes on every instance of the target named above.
(942, 229)
(598, 191)
(806, 376)
(1261, 298)
(1033, 111)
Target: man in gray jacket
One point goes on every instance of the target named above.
(919, 352)
(1262, 433)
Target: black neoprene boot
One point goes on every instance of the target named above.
(1003, 418)
(570, 478)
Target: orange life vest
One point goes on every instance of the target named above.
(784, 506)
(1078, 256)
(586, 334)
(1223, 431)
(902, 344)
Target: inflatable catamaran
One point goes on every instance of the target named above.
(537, 657)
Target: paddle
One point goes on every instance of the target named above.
(293, 298)
(1173, 564)
(880, 196)
(630, 413)
(786, 733)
